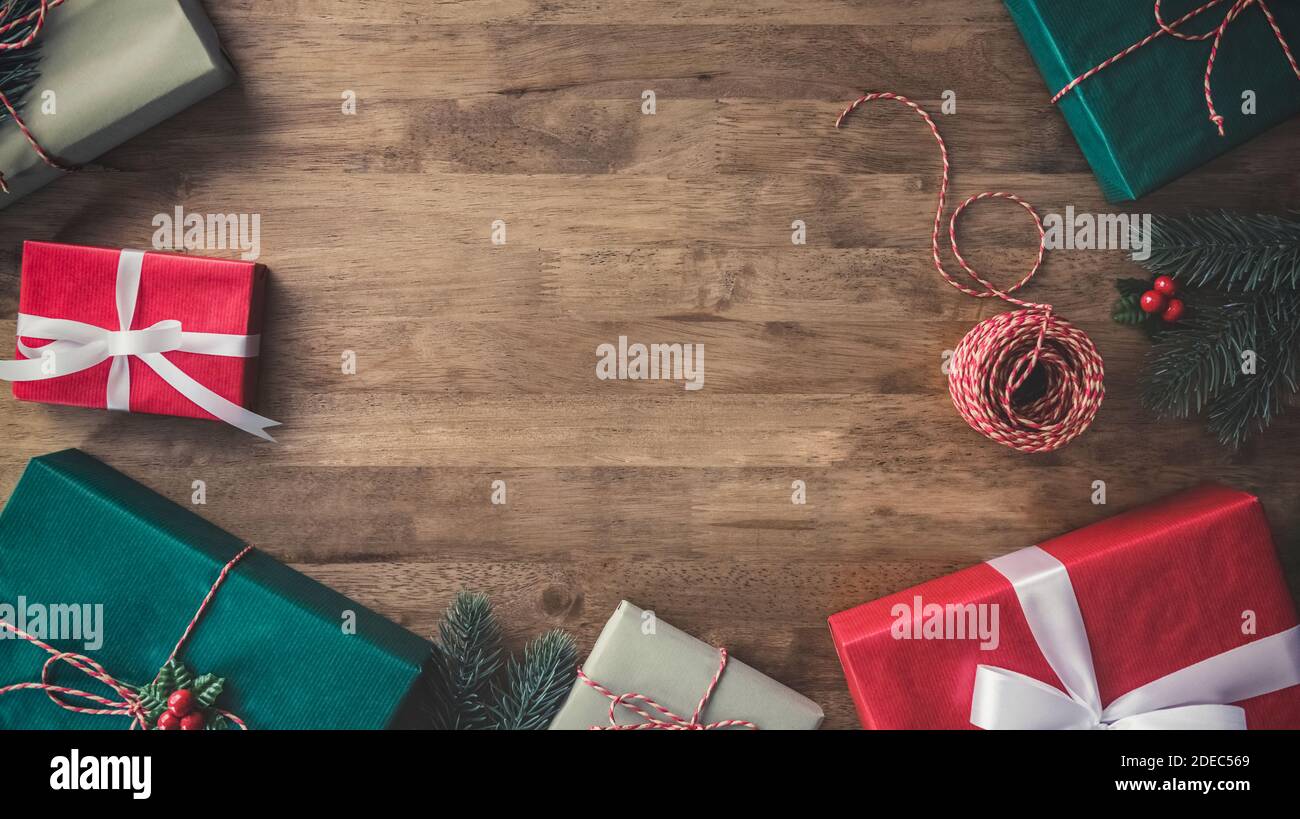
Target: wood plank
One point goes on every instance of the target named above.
(476, 362)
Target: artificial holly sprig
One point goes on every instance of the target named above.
(1153, 306)
(177, 700)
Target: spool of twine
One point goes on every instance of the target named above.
(1027, 379)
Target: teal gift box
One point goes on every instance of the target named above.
(99, 565)
(1143, 121)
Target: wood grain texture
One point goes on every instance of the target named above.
(476, 362)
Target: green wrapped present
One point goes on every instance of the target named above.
(107, 71)
(1143, 120)
(93, 563)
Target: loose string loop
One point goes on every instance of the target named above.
(1215, 34)
(996, 358)
(663, 719)
(37, 21)
(128, 703)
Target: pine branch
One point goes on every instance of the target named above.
(1193, 361)
(1198, 364)
(1259, 398)
(463, 666)
(535, 688)
(1227, 251)
(18, 67)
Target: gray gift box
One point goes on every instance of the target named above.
(116, 68)
(639, 653)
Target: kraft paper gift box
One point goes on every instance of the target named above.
(638, 653)
(206, 368)
(1175, 614)
(117, 68)
(78, 532)
(1143, 121)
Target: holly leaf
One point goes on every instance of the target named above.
(153, 698)
(166, 674)
(207, 688)
(215, 722)
(181, 676)
(1128, 311)
(173, 676)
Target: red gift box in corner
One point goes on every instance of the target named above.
(139, 331)
(1175, 614)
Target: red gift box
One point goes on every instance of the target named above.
(189, 347)
(1163, 592)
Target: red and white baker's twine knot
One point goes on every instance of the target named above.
(37, 21)
(1215, 34)
(994, 360)
(658, 718)
(128, 703)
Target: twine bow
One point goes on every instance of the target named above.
(128, 703)
(37, 21)
(1215, 34)
(659, 718)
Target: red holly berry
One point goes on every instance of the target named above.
(1152, 302)
(1173, 310)
(181, 702)
(167, 721)
(192, 721)
(1165, 285)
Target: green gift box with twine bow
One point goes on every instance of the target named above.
(105, 577)
(1146, 118)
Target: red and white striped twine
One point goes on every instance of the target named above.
(1216, 34)
(994, 360)
(37, 18)
(659, 718)
(129, 703)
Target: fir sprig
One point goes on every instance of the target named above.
(471, 687)
(1257, 399)
(1191, 364)
(1236, 356)
(18, 67)
(1232, 252)
(535, 687)
(468, 657)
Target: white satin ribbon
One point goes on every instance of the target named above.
(1197, 696)
(77, 346)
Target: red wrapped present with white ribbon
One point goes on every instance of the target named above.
(1173, 615)
(140, 332)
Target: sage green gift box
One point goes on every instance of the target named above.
(116, 68)
(637, 653)
(1143, 121)
(78, 533)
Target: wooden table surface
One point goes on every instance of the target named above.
(476, 362)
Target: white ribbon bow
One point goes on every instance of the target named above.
(1197, 696)
(77, 346)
